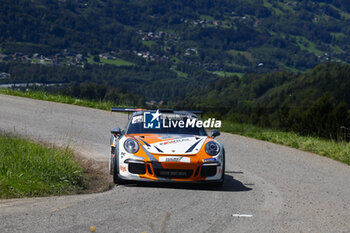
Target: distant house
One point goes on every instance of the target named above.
(26, 58)
(59, 55)
(4, 75)
(36, 56)
(107, 56)
(151, 103)
(17, 54)
(80, 58)
(4, 57)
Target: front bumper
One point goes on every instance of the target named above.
(172, 171)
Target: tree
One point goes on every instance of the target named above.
(96, 58)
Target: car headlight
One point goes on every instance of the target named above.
(131, 146)
(212, 148)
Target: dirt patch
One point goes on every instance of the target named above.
(97, 173)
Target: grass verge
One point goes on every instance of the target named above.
(41, 95)
(28, 169)
(336, 150)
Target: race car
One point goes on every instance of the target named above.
(165, 146)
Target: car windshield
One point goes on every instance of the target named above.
(169, 123)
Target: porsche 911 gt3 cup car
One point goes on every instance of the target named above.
(165, 146)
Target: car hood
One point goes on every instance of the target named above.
(171, 144)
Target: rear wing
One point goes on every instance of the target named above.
(116, 109)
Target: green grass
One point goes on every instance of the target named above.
(36, 61)
(311, 46)
(292, 69)
(117, 62)
(335, 150)
(270, 6)
(246, 54)
(345, 15)
(28, 170)
(206, 17)
(338, 35)
(226, 74)
(285, 7)
(149, 43)
(179, 73)
(336, 49)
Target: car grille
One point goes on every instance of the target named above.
(136, 168)
(208, 171)
(173, 173)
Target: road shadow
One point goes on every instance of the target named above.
(230, 185)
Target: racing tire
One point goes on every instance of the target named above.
(220, 183)
(116, 178)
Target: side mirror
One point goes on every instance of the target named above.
(116, 131)
(215, 133)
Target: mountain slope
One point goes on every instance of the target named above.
(231, 36)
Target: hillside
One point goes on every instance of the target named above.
(223, 37)
(315, 103)
(280, 64)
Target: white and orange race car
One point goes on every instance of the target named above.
(165, 146)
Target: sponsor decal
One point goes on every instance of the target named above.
(122, 168)
(167, 136)
(209, 160)
(174, 141)
(180, 159)
(136, 119)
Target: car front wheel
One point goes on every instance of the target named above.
(116, 178)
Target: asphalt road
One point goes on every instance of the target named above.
(268, 187)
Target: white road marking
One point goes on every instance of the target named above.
(242, 215)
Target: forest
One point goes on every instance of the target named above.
(316, 103)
